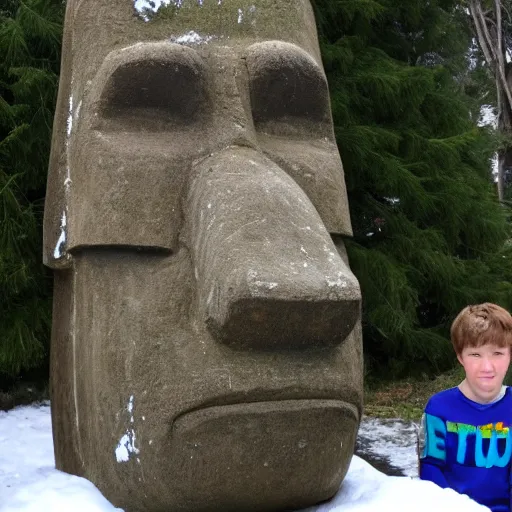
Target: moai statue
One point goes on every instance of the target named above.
(206, 345)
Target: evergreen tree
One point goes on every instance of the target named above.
(30, 39)
(429, 233)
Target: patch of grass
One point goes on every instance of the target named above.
(24, 393)
(406, 399)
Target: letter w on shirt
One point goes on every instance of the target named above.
(436, 430)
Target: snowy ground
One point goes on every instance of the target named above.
(29, 481)
(389, 445)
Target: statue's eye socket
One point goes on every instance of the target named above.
(287, 87)
(153, 93)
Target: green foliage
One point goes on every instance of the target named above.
(429, 234)
(30, 38)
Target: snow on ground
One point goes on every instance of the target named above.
(391, 443)
(367, 490)
(29, 481)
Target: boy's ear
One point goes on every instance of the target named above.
(459, 358)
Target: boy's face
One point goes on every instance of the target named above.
(485, 368)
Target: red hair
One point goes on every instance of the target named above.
(483, 324)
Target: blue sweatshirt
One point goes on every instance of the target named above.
(467, 446)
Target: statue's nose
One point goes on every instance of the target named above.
(268, 274)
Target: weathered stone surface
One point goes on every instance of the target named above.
(206, 344)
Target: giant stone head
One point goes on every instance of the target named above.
(206, 345)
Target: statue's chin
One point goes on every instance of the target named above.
(270, 455)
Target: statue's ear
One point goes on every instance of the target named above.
(55, 213)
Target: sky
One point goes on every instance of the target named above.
(29, 481)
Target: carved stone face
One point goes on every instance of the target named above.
(206, 347)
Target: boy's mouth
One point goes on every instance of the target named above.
(487, 378)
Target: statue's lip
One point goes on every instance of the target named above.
(251, 451)
(192, 418)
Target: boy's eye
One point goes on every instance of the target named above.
(499, 353)
(474, 354)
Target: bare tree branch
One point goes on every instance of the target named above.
(490, 21)
(493, 51)
(480, 36)
(489, 34)
(504, 7)
(501, 60)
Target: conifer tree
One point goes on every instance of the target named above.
(429, 233)
(30, 39)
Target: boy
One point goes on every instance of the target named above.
(466, 443)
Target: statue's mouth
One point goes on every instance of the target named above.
(261, 447)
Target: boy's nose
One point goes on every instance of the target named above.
(487, 364)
